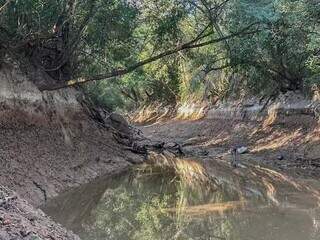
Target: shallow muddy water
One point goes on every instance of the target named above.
(157, 203)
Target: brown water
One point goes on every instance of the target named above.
(159, 204)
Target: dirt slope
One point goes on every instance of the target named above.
(48, 143)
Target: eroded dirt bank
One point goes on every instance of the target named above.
(49, 142)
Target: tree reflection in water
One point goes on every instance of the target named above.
(139, 209)
(159, 203)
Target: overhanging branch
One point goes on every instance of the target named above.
(120, 72)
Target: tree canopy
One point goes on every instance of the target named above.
(129, 52)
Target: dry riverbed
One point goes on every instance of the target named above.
(291, 147)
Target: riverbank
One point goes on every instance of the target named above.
(286, 139)
(50, 142)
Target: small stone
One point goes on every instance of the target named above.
(242, 150)
(280, 157)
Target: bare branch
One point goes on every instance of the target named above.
(4, 5)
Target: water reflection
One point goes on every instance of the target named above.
(155, 203)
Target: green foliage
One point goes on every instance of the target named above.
(103, 94)
(275, 57)
(281, 54)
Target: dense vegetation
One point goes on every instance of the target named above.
(133, 52)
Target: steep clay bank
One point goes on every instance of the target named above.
(48, 143)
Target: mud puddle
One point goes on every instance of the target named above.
(152, 202)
